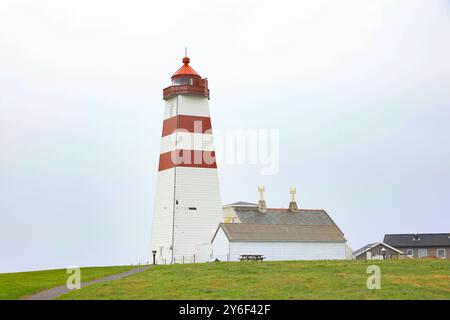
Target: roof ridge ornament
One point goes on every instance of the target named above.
(261, 191)
(293, 203)
(293, 192)
(261, 202)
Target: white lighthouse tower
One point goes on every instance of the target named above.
(187, 204)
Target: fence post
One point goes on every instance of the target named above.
(194, 257)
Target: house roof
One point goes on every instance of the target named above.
(373, 245)
(281, 232)
(364, 249)
(418, 240)
(249, 214)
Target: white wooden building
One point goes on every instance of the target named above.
(278, 234)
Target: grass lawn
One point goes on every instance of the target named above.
(400, 279)
(20, 284)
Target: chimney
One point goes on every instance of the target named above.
(293, 203)
(261, 202)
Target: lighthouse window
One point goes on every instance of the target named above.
(192, 208)
(182, 81)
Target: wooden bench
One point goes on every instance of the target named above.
(251, 257)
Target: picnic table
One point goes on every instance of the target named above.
(251, 257)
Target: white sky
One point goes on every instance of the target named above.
(360, 91)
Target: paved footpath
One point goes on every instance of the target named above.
(53, 293)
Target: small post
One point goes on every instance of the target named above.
(194, 257)
(154, 256)
(383, 252)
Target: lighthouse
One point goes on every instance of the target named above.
(187, 206)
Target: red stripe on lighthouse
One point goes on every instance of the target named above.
(187, 158)
(194, 124)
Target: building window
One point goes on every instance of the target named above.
(410, 252)
(423, 253)
(440, 253)
(182, 82)
(172, 110)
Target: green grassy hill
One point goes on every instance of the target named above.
(400, 279)
(20, 284)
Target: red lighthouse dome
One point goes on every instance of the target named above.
(186, 81)
(185, 70)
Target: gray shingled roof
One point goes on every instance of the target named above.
(277, 232)
(421, 240)
(283, 216)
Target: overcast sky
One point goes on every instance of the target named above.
(359, 91)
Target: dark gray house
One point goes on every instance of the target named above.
(421, 245)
